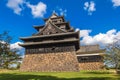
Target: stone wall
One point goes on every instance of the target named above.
(91, 66)
(51, 62)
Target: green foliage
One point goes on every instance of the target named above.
(7, 56)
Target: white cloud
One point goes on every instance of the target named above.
(37, 10)
(77, 29)
(90, 7)
(86, 5)
(102, 38)
(16, 46)
(84, 33)
(116, 3)
(63, 12)
(15, 5)
(55, 12)
(60, 11)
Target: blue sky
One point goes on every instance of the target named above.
(98, 20)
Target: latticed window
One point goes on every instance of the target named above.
(95, 58)
(53, 48)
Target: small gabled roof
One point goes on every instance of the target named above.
(52, 42)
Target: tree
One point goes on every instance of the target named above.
(7, 56)
(112, 57)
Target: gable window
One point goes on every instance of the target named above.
(58, 25)
(62, 26)
(54, 21)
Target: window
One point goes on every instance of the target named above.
(54, 21)
(53, 48)
(62, 26)
(60, 20)
(94, 58)
(84, 59)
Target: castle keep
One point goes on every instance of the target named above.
(56, 47)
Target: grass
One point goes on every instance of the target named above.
(82, 75)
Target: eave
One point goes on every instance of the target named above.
(37, 27)
(52, 35)
(91, 52)
(75, 41)
(94, 54)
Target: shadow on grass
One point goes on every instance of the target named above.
(45, 77)
(97, 72)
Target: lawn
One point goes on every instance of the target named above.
(82, 75)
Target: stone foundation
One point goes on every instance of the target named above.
(91, 66)
(50, 62)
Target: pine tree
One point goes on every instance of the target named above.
(7, 56)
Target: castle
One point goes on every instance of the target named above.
(56, 47)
